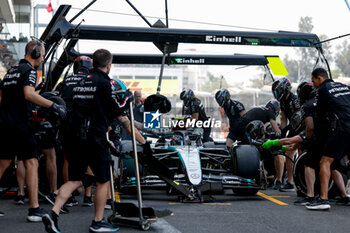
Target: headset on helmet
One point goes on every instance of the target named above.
(222, 96)
(274, 105)
(281, 88)
(82, 62)
(255, 130)
(306, 91)
(36, 52)
(187, 97)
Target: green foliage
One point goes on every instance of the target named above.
(301, 68)
(214, 83)
(342, 59)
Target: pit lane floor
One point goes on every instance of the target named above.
(269, 211)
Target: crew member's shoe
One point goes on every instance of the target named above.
(287, 187)
(304, 201)
(278, 185)
(2, 214)
(319, 204)
(35, 214)
(51, 198)
(50, 221)
(109, 204)
(343, 201)
(103, 226)
(71, 202)
(88, 201)
(19, 200)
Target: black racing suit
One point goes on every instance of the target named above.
(66, 92)
(333, 104)
(237, 130)
(196, 106)
(17, 136)
(291, 109)
(258, 113)
(93, 110)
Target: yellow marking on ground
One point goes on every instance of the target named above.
(271, 199)
(200, 203)
(116, 196)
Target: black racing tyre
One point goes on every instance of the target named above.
(246, 161)
(245, 192)
(299, 177)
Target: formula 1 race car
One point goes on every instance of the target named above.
(203, 168)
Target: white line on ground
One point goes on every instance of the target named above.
(163, 226)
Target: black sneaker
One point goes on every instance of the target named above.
(50, 221)
(319, 204)
(88, 201)
(103, 226)
(2, 214)
(304, 201)
(109, 204)
(278, 185)
(19, 200)
(71, 202)
(287, 188)
(51, 198)
(343, 201)
(35, 214)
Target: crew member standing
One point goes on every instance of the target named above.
(17, 94)
(234, 110)
(333, 104)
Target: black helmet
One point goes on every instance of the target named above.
(306, 91)
(274, 106)
(187, 97)
(182, 94)
(82, 62)
(222, 96)
(255, 130)
(281, 88)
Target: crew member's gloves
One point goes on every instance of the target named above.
(59, 110)
(270, 143)
(147, 150)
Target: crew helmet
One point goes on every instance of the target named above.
(187, 97)
(82, 62)
(222, 96)
(274, 106)
(255, 130)
(281, 88)
(306, 91)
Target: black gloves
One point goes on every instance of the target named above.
(147, 150)
(59, 110)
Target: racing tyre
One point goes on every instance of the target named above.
(299, 177)
(246, 161)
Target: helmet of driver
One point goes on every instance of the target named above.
(82, 62)
(274, 106)
(187, 97)
(255, 130)
(222, 96)
(176, 140)
(118, 90)
(281, 88)
(306, 91)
